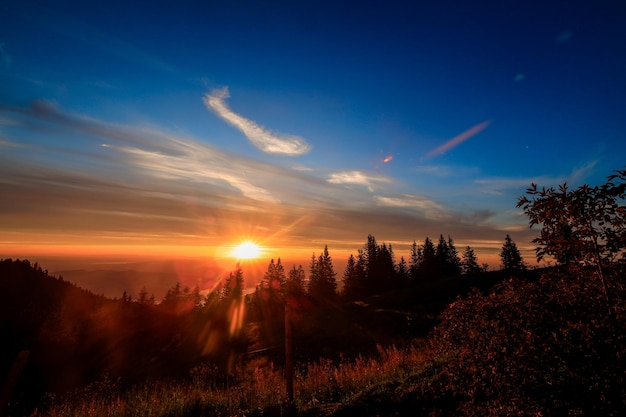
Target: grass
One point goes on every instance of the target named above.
(321, 388)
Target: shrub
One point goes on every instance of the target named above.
(531, 348)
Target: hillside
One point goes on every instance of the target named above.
(522, 345)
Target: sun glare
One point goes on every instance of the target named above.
(247, 250)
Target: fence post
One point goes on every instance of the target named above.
(288, 355)
(9, 385)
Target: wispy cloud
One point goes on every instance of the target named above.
(358, 178)
(506, 185)
(473, 131)
(164, 188)
(264, 139)
(196, 163)
(419, 204)
(579, 175)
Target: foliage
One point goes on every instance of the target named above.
(586, 225)
(532, 348)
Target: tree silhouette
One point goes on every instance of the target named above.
(295, 281)
(322, 283)
(511, 258)
(274, 280)
(469, 262)
(233, 285)
(416, 259)
(447, 257)
(428, 265)
(586, 225)
(581, 228)
(352, 280)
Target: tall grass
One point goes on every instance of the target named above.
(249, 392)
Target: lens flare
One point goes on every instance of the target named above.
(247, 250)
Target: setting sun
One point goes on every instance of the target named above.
(246, 250)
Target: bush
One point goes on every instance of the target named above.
(531, 348)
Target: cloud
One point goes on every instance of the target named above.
(260, 137)
(77, 180)
(579, 175)
(430, 208)
(195, 163)
(358, 178)
(156, 152)
(519, 77)
(458, 139)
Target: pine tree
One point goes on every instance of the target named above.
(402, 273)
(453, 264)
(511, 257)
(469, 264)
(323, 284)
(415, 261)
(428, 265)
(274, 280)
(295, 281)
(233, 286)
(352, 283)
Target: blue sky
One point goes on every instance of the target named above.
(130, 127)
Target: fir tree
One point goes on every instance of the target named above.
(295, 281)
(323, 284)
(469, 263)
(510, 255)
(415, 261)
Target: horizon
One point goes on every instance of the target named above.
(295, 126)
(203, 269)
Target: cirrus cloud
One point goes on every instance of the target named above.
(264, 139)
(357, 178)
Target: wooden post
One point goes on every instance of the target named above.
(288, 355)
(9, 385)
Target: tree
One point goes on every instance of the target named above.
(322, 285)
(354, 277)
(428, 264)
(529, 348)
(583, 228)
(274, 279)
(511, 258)
(295, 281)
(415, 261)
(233, 286)
(351, 280)
(447, 257)
(469, 263)
(402, 272)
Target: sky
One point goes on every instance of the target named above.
(182, 129)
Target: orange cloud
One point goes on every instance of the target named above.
(458, 139)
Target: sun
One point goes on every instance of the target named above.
(246, 250)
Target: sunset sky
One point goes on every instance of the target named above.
(175, 129)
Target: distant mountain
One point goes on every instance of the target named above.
(73, 336)
(157, 276)
(113, 283)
